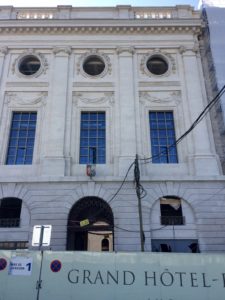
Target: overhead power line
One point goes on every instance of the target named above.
(211, 104)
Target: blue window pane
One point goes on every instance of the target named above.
(15, 125)
(161, 116)
(92, 137)
(84, 116)
(173, 159)
(23, 125)
(30, 142)
(84, 125)
(83, 160)
(101, 160)
(153, 124)
(28, 160)
(101, 116)
(21, 142)
(93, 125)
(84, 134)
(163, 142)
(10, 160)
(33, 117)
(16, 116)
(161, 124)
(101, 124)
(12, 151)
(29, 152)
(101, 142)
(14, 133)
(162, 134)
(93, 116)
(32, 125)
(31, 133)
(22, 135)
(101, 152)
(92, 142)
(93, 133)
(84, 143)
(101, 133)
(12, 142)
(25, 116)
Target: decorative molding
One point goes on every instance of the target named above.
(4, 50)
(194, 48)
(173, 96)
(13, 98)
(107, 29)
(166, 56)
(42, 70)
(103, 56)
(106, 97)
(130, 50)
(62, 50)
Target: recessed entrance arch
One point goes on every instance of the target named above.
(101, 223)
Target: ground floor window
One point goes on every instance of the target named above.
(171, 245)
(13, 245)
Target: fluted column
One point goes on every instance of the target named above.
(126, 108)
(54, 161)
(203, 159)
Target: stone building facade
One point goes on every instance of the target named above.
(96, 86)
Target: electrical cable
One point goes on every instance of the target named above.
(143, 192)
(194, 124)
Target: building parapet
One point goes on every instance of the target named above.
(118, 12)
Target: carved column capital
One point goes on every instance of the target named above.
(3, 51)
(130, 50)
(62, 51)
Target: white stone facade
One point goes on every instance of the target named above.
(124, 37)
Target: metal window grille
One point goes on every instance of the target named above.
(172, 220)
(13, 245)
(9, 222)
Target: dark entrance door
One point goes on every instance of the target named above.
(100, 217)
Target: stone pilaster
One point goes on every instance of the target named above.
(203, 158)
(127, 108)
(54, 161)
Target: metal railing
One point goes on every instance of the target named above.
(172, 220)
(10, 222)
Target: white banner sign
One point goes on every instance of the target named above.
(20, 266)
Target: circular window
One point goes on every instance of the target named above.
(157, 65)
(94, 65)
(29, 65)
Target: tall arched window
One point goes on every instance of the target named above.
(10, 209)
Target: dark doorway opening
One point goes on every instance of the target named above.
(98, 217)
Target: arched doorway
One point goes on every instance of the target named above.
(98, 216)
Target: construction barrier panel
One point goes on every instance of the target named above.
(111, 276)
(144, 276)
(19, 273)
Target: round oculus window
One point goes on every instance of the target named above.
(157, 65)
(94, 65)
(29, 65)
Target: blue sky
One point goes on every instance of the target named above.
(98, 2)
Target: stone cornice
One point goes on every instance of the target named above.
(101, 27)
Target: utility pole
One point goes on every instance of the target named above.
(138, 192)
